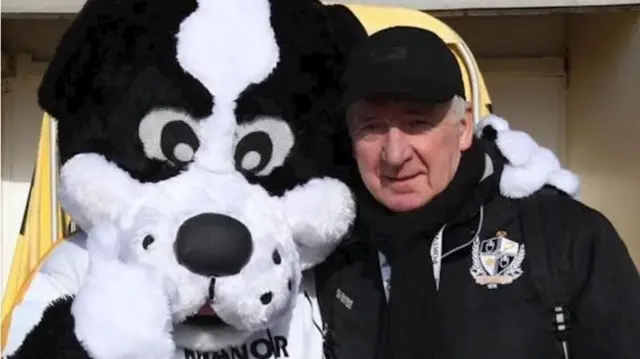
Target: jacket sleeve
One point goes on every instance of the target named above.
(606, 311)
(60, 274)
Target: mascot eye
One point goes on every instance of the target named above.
(275, 256)
(169, 135)
(147, 241)
(262, 145)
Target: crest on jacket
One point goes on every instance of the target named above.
(497, 260)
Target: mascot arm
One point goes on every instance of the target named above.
(529, 166)
(53, 336)
(60, 274)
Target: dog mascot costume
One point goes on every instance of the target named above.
(195, 139)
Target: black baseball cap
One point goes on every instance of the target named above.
(405, 61)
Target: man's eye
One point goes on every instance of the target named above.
(372, 127)
(420, 124)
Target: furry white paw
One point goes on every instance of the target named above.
(565, 181)
(121, 311)
(517, 147)
(522, 181)
(529, 166)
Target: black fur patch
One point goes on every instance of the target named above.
(54, 336)
(489, 133)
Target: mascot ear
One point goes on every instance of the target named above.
(66, 80)
(347, 29)
(347, 32)
(319, 214)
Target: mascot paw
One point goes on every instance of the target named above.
(121, 311)
(517, 147)
(565, 181)
(529, 166)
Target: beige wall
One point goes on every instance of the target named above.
(603, 123)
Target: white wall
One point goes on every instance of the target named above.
(604, 117)
(20, 132)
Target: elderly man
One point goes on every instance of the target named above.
(443, 265)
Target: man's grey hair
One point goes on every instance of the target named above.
(458, 106)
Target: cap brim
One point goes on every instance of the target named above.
(415, 88)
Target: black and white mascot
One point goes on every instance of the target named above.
(195, 140)
(195, 156)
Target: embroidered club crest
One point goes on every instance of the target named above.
(496, 260)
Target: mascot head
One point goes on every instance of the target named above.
(201, 130)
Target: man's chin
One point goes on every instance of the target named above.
(405, 202)
(207, 334)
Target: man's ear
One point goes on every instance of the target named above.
(466, 127)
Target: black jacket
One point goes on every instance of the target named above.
(573, 257)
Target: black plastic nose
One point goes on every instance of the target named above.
(213, 245)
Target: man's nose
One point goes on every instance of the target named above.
(396, 150)
(213, 245)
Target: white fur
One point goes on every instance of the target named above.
(173, 201)
(520, 145)
(94, 190)
(227, 46)
(321, 211)
(530, 166)
(521, 181)
(113, 293)
(565, 181)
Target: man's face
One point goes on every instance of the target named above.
(407, 152)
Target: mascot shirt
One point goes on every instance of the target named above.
(297, 336)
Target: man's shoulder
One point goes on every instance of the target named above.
(564, 223)
(563, 208)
